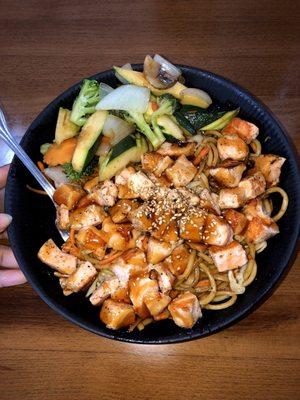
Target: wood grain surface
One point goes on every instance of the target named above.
(46, 46)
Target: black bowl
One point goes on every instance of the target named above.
(33, 219)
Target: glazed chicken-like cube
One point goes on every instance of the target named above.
(79, 279)
(182, 172)
(68, 194)
(117, 236)
(193, 199)
(253, 185)
(156, 305)
(83, 217)
(228, 257)
(191, 225)
(90, 238)
(185, 310)
(63, 217)
(140, 289)
(231, 198)
(141, 184)
(107, 289)
(179, 260)
(135, 257)
(105, 194)
(123, 176)
(255, 208)
(270, 166)
(163, 276)
(229, 176)
(120, 210)
(236, 220)
(232, 147)
(209, 201)
(244, 129)
(174, 150)
(141, 218)
(158, 250)
(156, 163)
(116, 315)
(216, 231)
(51, 255)
(260, 229)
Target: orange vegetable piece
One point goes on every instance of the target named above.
(60, 153)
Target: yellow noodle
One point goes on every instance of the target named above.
(189, 266)
(221, 306)
(284, 204)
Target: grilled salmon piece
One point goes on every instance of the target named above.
(270, 166)
(185, 310)
(117, 315)
(141, 288)
(236, 220)
(182, 172)
(68, 195)
(174, 150)
(260, 229)
(244, 129)
(230, 176)
(232, 147)
(228, 257)
(51, 255)
(216, 231)
(79, 279)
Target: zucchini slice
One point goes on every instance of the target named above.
(169, 127)
(88, 141)
(129, 149)
(65, 128)
(221, 122)
(184, 123)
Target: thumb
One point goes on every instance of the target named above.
(5, 220)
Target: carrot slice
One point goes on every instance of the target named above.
(111, 257)
(60, 153)
(41, 166)
(203, 152)
(203, 283)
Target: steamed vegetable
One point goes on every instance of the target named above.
(65, 128)
(88, 140)
(160, 72)
(62, 153)
(104, 90)
(126, 98)
(169, 127)
(85, 103)
(202, 119)
(116, 129)
(221, 122)
(156, 138)
(127, 67)
(195, 97)
(73, 175)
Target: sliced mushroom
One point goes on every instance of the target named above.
(160, 72)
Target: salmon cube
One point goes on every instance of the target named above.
(179, 260)
(228, 257)
(105, 194)
(253, 185)
(80, 278)
(228, 177)
(232, 147)
(209, 201)
(191, 226)
(135, 257)
(182, 172)
(185, 310)
(156, 163)
(231, 198)
(107, 289)
(270, 166)
(156, 305)
(236, 220)
(90, 238)
(141, 184)
(255, 208)
(120, 211)
(68, 195)
(216, 231)
(141, 288)
(174, 150)
(244, 129)
(51, 255)
(116, 315)
(164, 277)
(83, 217)
(260, 229)
(63, 217)
(141, 218)
(157, 250)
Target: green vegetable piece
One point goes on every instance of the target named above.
(45, 147)
(221, 122)
(85, 103)
(184, 123)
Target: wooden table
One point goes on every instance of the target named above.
(47, 46)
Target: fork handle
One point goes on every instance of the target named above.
(6, 136)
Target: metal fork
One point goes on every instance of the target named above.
(7, 138)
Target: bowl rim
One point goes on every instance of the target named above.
(264, 293)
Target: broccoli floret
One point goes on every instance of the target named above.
(76, 176)
(167, 105)
(85, 103)
(156, 138)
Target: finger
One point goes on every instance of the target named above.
(2, 194)
(5, 220)
(3, 175)
(4, 236)
(7, 258)
(11, 277)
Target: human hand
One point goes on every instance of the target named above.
(10, 274)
